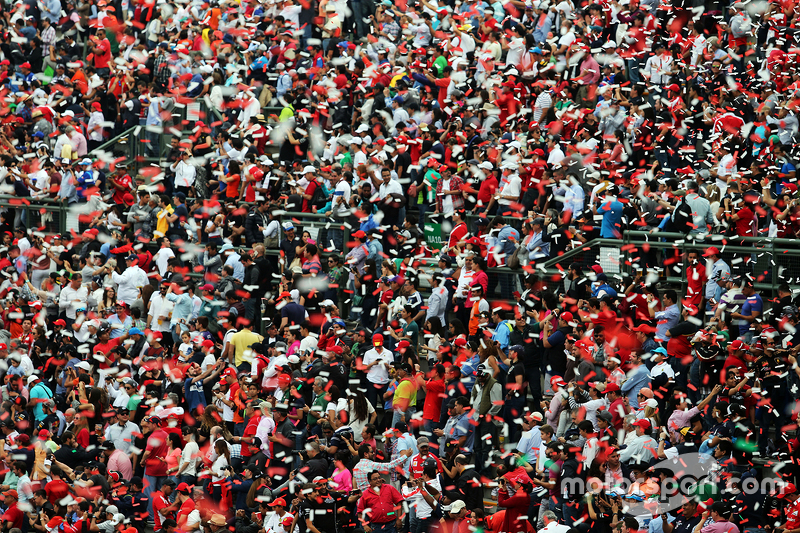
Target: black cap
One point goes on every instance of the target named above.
(170, 482)
(136, 480)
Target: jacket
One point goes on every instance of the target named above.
(252, 234)
(468, 489)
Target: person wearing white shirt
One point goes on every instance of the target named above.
(130, 281)
(642, 448)
(516, 46)
(162, 257)
(551, 524)
(185, 173)
(556, 155)
(376, 362)
(574, 199)
(159, 310)
(73, 297)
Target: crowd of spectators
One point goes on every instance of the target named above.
(326, 295)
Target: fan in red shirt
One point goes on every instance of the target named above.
(13, 516)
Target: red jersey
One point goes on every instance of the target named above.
(418, 463)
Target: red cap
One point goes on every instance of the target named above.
(557, 381)
(567, 317)
(229, 372)
(785, 491)
(597, 269)
(60, 322)
(460, 341)
(11, 493)
(285, 294)
(207, 287)
(642, 423)
(611, 387)
(183, 487)
(377, 340)
(338, 350)
(737, 345)
(713, 250)
(207, 343)
(402, 345)
(539, 152)
(359, 235)
(674, 88)
(27, 66)
(277, 502)
(157, 335)
(691, 308)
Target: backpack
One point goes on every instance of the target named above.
(682, 218)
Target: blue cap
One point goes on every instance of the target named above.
(398, 99)
(135, 331)
(39, 134)
(343, 44)
(536, 50)
(661, 350)
(132, 257)
(181, 196)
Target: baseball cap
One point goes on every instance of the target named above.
(642, 423)
(277, 502)
(569, 318)
(457, 506)
(646, 392)
(737, 345)
(712, 250)
(377, 340)
(789, 488)
(611, 387)
(182, 487)
(207, 287)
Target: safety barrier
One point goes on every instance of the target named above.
(773, 260)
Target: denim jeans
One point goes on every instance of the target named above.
(151, 485)
(386, 527)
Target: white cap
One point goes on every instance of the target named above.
(457, 506)
(83, 365)
(309, 169)
(32, 378)
(280, 66)
(486, 165)
(207, 69)
(362, 129)
(610, 44)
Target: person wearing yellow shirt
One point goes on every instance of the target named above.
(162, 222)
(404, 401)
(241, 342)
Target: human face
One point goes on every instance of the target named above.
(375, 480)
(613, 459)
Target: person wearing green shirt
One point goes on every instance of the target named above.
(316, 413)
(439, 62)
(410, 330)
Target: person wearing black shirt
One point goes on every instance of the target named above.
(320, 509)
(70, 453)
(467, 486)
(685, 521)
(316, 465)
(179, 217)
(289, 243)
(283, 440)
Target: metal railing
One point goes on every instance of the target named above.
(773, 260)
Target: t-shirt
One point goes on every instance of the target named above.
(241, 341)
(157, 445)
(432, 409)
(753, 303)
(612, 216)
(183, 216)
(13, 515)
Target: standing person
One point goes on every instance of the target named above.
(380, 506)
(154, 458)
(719, 269)
(376, 364)
(487, 400)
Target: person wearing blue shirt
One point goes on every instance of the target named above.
(470, 365)
(503, 329)
(530, 444)
(751, 310)
(181, 311)
(669, 317)
(458, 426)
(638, 377)
(611, 209)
